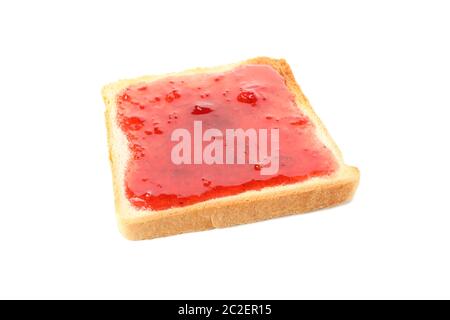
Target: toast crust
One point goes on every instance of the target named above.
(246, 207)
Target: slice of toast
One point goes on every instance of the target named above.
(244, 206)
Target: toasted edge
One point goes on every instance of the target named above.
(247, 207)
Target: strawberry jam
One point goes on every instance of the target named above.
(246, 97)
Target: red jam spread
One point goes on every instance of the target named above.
(246, 97)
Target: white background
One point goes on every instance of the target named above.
(377, 73)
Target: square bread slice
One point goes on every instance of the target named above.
(244, 207)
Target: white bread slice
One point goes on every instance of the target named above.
(246, 207)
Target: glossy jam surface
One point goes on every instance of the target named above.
(247, 97)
